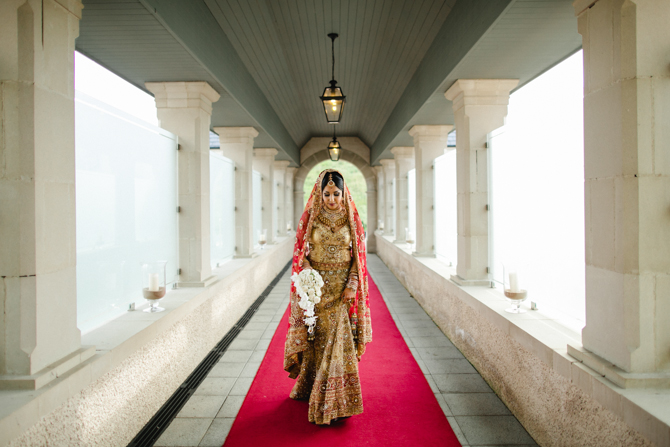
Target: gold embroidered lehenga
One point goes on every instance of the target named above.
(327, 367)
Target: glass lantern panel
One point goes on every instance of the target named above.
(333, 103)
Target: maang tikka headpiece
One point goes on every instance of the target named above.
(330, 180)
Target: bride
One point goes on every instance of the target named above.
(331, 240)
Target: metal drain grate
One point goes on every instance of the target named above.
(157, 425)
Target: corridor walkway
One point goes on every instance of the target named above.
(474, 412)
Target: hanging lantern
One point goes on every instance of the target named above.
(333, 98)
(334, 149)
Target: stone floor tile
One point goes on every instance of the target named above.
(268, 334)
(422, 365)
(227, 369)
(231, 407)
(263, 345)
(492, 430)
(433, 331)
(242, 345)
(475, 404)
(449, 366)
(270, 310)
(257, 356)
(184, 432)
(444, 352)
(215, 386)
(457, 431)
(256, 326)
(261, 319)
(217, 432)
(416, 316)
(241, 386)
(431, 382)
(250, 369)
(443, 404)
(250, 334)
(201, 407)
(236, 356)
(431, 342)
(425, 323)
(461, 383)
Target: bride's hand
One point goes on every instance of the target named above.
(349, 295)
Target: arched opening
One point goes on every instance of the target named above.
(352, 176)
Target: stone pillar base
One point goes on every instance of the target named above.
(51, 372)
(617, 375)
(249, 256)
(205, 283)
(470, 282)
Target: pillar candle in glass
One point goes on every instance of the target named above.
(154, 284)
(409, 237)
(513, 290)
(262, 238)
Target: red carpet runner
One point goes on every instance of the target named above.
(400, 409)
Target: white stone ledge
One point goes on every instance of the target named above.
(545, 334)
(125, 336)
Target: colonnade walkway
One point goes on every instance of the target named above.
(474, 412)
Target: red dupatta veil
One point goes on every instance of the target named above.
(296, 338)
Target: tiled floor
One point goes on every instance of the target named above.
(475, 413)
(206, 418)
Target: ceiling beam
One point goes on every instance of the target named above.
(193, 25)
(467, 22)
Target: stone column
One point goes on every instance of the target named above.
(389, 207)
(404, 162)
(38, 287)
(480, 106)
(280, 207)
(627, 184)
(237, 143)
(372, 219)
(288, 189)
(381, 210)
(185, 109)
(429, 143)
(264, 163)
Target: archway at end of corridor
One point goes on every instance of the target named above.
(352, 176)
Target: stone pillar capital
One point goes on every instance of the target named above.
(263, 152)
(183, 95)
(291, 170)
(403, 152)
(430, 133)
(477, 92)
(388, 164)
(235, 135)
(281, 164)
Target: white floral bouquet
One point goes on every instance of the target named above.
(308, 285)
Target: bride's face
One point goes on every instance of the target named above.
(332, 198)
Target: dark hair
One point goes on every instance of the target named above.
(337, 179)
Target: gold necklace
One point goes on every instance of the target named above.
(334, 219)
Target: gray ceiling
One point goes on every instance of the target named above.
(285, 47)
(271, 59)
